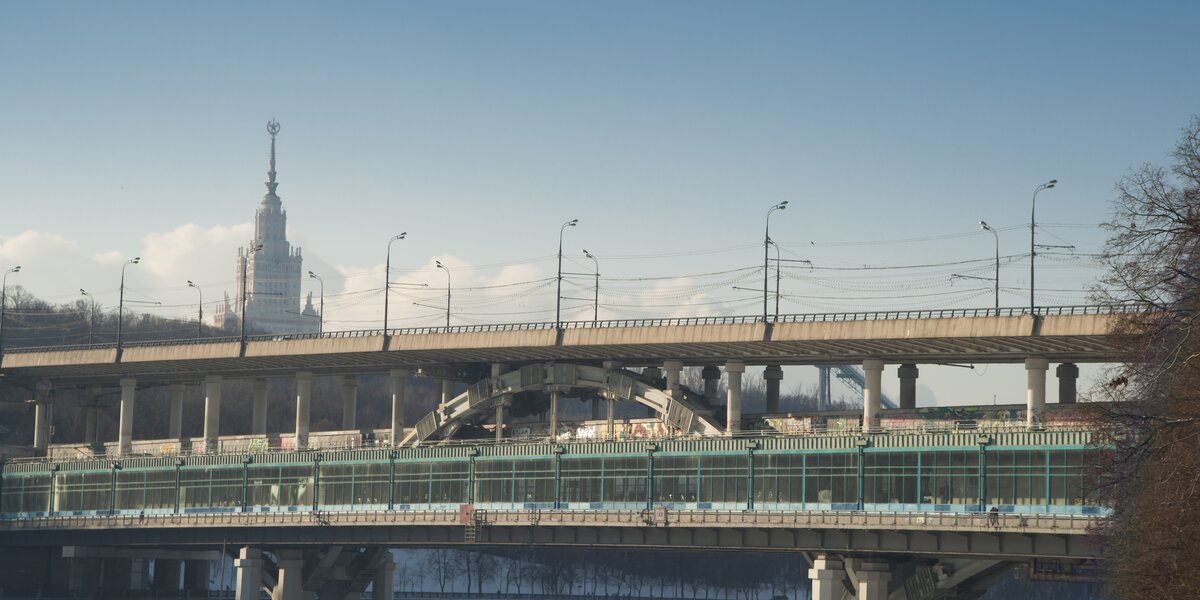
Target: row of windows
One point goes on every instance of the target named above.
(1038, 478)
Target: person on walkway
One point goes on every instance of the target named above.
(994, 517)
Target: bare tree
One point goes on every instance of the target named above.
(1153, 425)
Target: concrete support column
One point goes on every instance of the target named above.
(125, 430)
(258, 410)
(349, 402)
(166, 576)
(399, 384)
(195, 577)
(674, 369)
(611, 365)
(1068, 374)
(773, 374)
(212, 412)
(653, 374)
(908, 385)
(175, 417)
(733, 396)
(1035, 390)
(41, 418)
(447, 390)
(91, 424)
(826, 575)
(505, 400)
(290, 584)
(873, 368)
(873, 580)
(303, 404)
(712, 382)
(383, 585)
(249, 564)
(553, 412)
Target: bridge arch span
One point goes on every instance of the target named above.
(621, 384)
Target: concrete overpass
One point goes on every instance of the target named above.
(1058, 334)
(498, 361)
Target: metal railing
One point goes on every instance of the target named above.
(949, 313)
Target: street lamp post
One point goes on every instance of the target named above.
(447, 270)
(321, 317)
(558, 295)
(3, 301)
(387, 283)
(596, 301)
(121, 303)
(1032, 229)
(91, 314)
(983, 225)
(245, 294)
(767, 254)
(778, 265)
(199, 311)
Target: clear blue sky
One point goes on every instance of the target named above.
(667, 128)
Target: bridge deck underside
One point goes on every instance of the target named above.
(940, 535)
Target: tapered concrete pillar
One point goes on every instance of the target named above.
(1068, 374)
(383, 585)
(712, 382)
(673, 368)
(91, 424)
(447, 390)
(175, 416)
(212, 412)
(249, 564)
(290, 583)
(399, 385)
(303, 407)
(733, 396)
(908, 385)
(873, 369)
(128, 405)
(349, 402)
(826, 575)
(873, 578)
(773, 374)
(41, 418)
(1035, 390)
(258, 408)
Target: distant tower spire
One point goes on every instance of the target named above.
(273, 129)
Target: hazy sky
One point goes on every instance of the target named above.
(667, 128)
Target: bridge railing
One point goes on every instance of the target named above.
(814, 431)
(948, 313)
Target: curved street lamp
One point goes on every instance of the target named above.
(200, 311)
(91, 315)
(321, 317)
(447, 270)
(3, 301)
(387, 283)
(767, 254)
(558, 295)
(596, 302)
(1032, 229)
(245, 294)
(984, 226)
(121, 303)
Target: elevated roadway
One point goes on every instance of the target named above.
(1059, 334)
